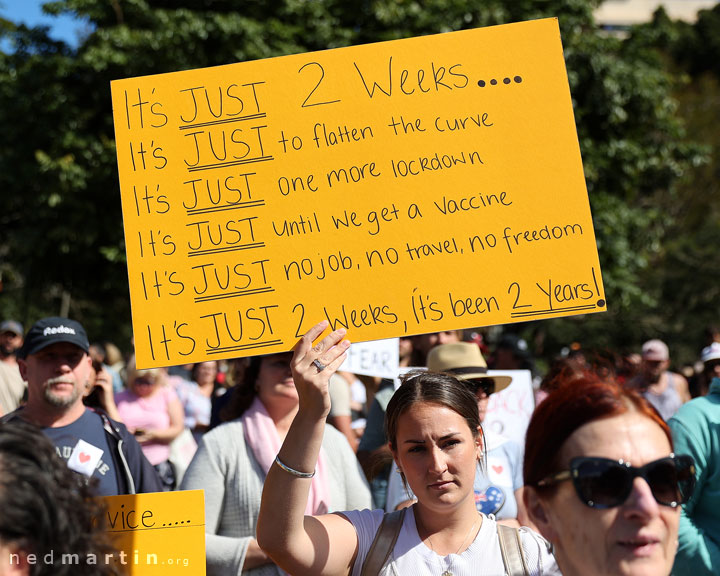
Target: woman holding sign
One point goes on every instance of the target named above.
(233, 459)
(435, 438)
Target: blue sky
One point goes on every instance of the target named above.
(29, 12)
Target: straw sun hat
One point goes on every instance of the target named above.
(464, 361)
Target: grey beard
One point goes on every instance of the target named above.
(61, 401)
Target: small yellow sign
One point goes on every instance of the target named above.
(161, 533)
(396, 188)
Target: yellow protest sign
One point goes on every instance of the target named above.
(396, 188)
(161, 533)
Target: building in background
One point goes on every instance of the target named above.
(617, 16)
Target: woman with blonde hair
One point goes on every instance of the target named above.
(152, 411)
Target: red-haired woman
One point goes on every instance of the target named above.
(602, 483)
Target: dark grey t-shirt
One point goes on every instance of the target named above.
(88, 428)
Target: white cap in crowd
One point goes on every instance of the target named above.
(655, 350)
(710, 353)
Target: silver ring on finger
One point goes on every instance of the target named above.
(319, 365)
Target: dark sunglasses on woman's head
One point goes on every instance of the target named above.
(605, 483)
(485, 385)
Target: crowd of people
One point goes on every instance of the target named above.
(311, 470)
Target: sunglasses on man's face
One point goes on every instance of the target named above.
(605, 483)
(484, 385)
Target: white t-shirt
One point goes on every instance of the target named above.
(411, 557)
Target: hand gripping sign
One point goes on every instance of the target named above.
(395, 188)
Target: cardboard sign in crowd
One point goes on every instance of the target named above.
(159, 534)
(396, 188)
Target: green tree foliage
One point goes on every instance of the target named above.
(686, 272)
(61, 227)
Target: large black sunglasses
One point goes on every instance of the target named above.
(605, 483)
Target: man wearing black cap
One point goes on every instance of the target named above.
(55, 363)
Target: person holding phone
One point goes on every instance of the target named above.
(99, 391)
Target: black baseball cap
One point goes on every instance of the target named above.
(53, 330)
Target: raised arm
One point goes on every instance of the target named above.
(320, 545)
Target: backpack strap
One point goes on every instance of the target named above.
(383, 543)
(511, 550)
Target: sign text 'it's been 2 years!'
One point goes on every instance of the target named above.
(396, 188)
